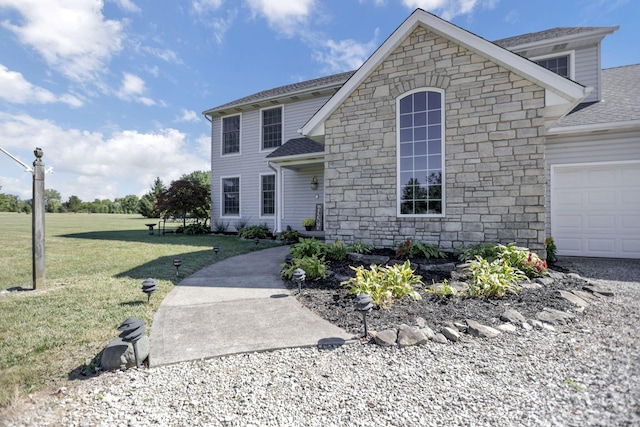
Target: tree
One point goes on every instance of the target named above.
(130, 204)
(186, 197)
(52, 200)
(74, 204)
(148, 201)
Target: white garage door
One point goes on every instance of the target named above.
(595, 209)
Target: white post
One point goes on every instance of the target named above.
(37, 224)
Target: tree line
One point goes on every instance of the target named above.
(189, 196)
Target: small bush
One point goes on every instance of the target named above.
(488, 251)
(522, 259)
(336, 251)
(253, 231)
(384, 284)
(493, 279)
(314, 267)
(308, 247)
(290, 237)
(552, 250)
(193, 229)
(443, 290)
(220, 226)
(411, 250)
(241, 223)
(360, 248)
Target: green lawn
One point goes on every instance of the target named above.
(95, 265)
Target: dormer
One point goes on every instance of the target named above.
(572, 52)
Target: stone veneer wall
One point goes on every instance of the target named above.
(494, 152)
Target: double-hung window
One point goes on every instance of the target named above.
(420, 120)
(231, 196)
(231, 135)
(560, 63)
(271, 128)
(268, 195)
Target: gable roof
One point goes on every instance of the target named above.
(278, 95)
(561, 93)
(619, 108)
(297, 147)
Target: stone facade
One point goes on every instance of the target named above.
(494, 152)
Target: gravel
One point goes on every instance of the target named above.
(584, 373)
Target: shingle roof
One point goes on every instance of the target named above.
(553, 33)
(335, 80)
(296, 147)
(620, 100)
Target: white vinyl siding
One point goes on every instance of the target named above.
(587, 71)
(299, 200)
(252, 161)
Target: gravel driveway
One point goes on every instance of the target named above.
(584, 373)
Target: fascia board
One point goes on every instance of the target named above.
(565, 88)
(595, 127)
(596, 35)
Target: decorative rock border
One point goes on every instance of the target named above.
(406, 335)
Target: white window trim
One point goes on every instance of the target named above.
(222, 153)
(572, 60)
(260, 207)
(222, 214)
(261, 145)
(398, 172)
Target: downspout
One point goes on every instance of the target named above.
(277, 226)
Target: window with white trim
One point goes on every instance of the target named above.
(557, 64)
(231, 196)
(231, 135)
(268, 195)
(271, 128)
(420, 123)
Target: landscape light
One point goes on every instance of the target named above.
(149, 286)
(177, 262)
(363, 304)
(298, 277)
(132, 329)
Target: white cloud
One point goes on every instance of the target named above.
(284, 16)
(92, 165)
(448, 9)
(15, 88)
(72, 36)
(204, 6)
(188, 116)
(344, 55)
(127, 6)
(167, 55)
(132, 89)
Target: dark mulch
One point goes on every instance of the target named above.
(330, 300)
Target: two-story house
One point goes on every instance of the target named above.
(444, 137)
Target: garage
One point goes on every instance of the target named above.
(595, 209)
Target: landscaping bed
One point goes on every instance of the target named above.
(331, 300)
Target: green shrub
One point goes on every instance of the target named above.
(290, 237)
(443, 290)
(552, 250)
(488, 251)
(308, 247)
(360, 248)
(253, 231)
(193, 229)
(522, 259)
(493, 279)
(314, 267)
(384, 284)
(411, 250)
(220, 226)
(336, 251)
(241, 223)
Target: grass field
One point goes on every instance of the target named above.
(95, 265)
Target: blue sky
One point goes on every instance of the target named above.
(113, 90)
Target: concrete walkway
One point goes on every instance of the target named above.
(237, 305)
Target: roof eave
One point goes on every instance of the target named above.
(599, 34)
(595, 127)
(561, 86)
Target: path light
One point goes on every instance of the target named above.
(256, 241)
(177, 262)
(363, 305)
(216, 248)
(149, 286)
(132, 330)
(298, 277)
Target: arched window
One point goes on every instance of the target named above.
(420, 124)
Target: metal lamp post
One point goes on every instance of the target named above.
(149, 286)
(177, 262)
(298, 277)
(363, 305)
(132, 329)
(216, 249)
